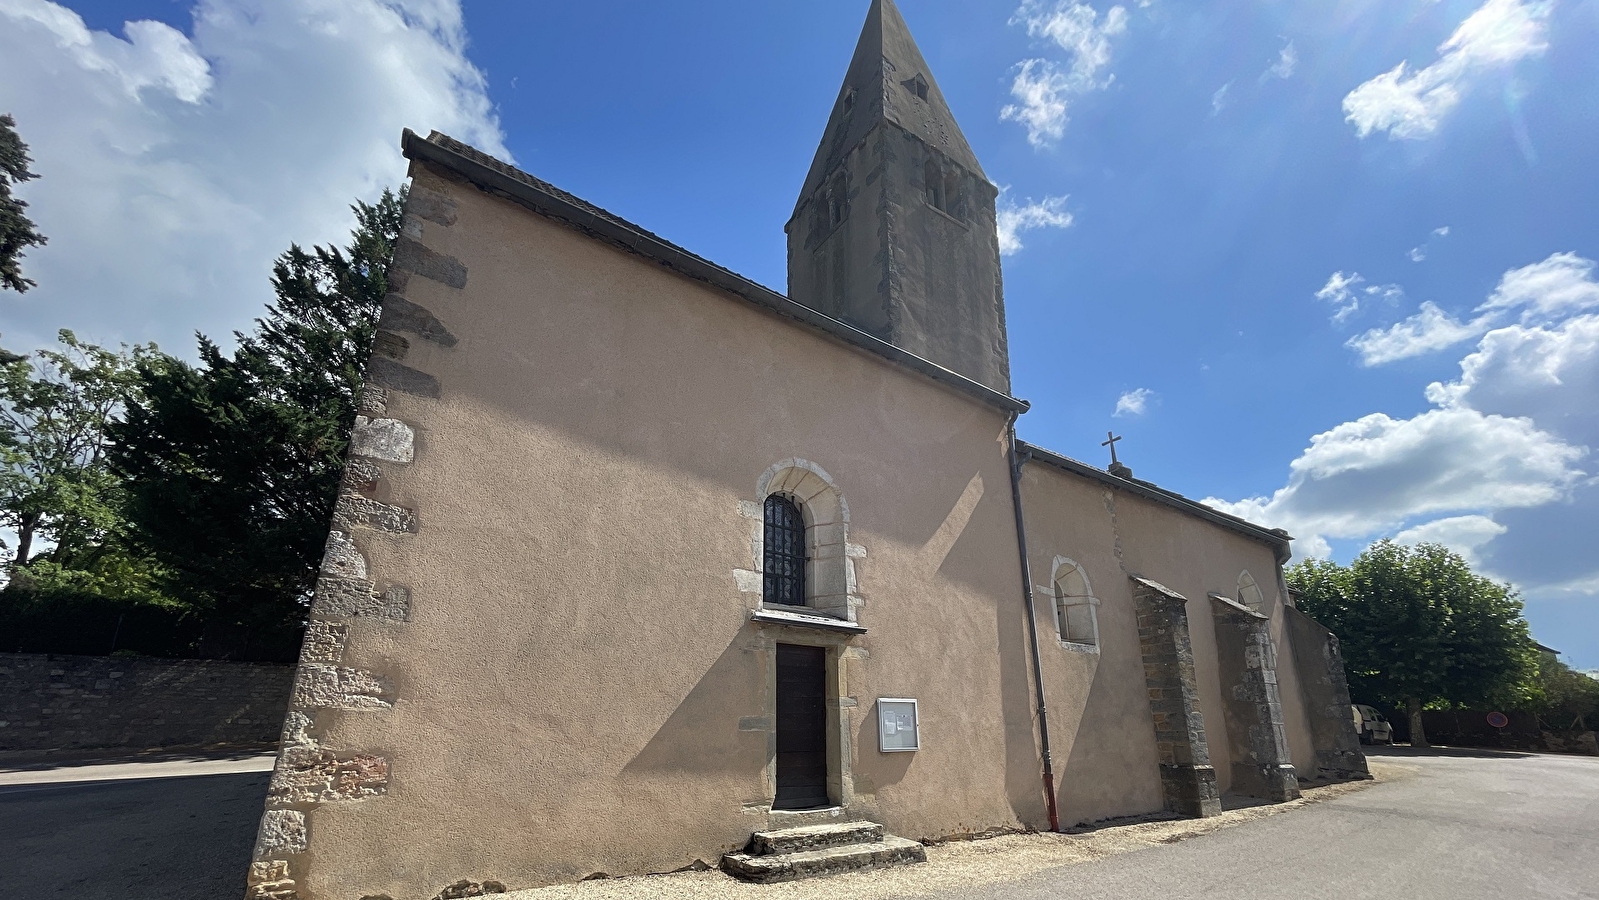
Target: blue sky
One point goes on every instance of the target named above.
(1327, 264)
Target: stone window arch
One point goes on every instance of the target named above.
(1249, 593)
(1076, 607)
(828, 575)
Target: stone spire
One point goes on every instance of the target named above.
(894, 232)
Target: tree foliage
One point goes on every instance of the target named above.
(56, 410)
(1566, 698)
(1418, 627)
(232, 466)
(17, 231)
(73, 578)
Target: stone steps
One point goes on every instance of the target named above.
(814, 837)
(793, 853)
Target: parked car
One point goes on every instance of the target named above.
(1371, 726)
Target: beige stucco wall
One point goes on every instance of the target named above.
(1099, 714)
(578, 688)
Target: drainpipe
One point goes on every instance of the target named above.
(1032, 625)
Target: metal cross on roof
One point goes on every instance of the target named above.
(1112, 445)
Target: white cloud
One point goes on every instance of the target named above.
(1417, 254)
(1340, 291)
(1345, 292)
(1287, 62)
(1548, 372)
(1441, 232)
(174, 167)
(1427, 331)
(1043, 93)
(1049, 212)
(1564, 282)
(1133, 403)
(1218, 100)
(1375, 473)
(1411, 103)
(1462, 534)
(1043, 90)
(1496, 470)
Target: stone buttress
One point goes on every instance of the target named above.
(1251, 704)
(1186, 776)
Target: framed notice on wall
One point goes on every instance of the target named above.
(897, 727)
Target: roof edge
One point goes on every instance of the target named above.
(545, 199)
(1277, 538)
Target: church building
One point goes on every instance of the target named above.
(639, 565)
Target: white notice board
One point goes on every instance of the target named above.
(898, 728)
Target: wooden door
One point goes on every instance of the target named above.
(801, 727)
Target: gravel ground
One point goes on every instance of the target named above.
(951, 865)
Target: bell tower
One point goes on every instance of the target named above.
(895, 231)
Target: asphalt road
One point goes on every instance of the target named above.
(1466, 825)
(177, 829)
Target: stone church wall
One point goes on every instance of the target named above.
(55, 702)
(1104, 743)
(539, 661)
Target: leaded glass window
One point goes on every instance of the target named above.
(784, 553)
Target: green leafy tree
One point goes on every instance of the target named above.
(1418, 627)
(17, 231)
(233, 466)
(1567, 699)
(56, 410)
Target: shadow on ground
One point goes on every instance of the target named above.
(144, 839)
(24, 761)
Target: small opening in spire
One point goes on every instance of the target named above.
(836, 201)
(847, 106)
(917, 86)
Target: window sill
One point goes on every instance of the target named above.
(794, 618)
(957, 220)
(1077, 647)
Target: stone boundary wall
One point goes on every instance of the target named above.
(56, 702)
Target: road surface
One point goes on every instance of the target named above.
(1465, 825)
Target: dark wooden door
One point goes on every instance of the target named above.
(801, 727)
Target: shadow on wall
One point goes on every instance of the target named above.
(1024, 773)
(1110, 752)
(713, 732)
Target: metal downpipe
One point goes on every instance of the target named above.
(1032, 625)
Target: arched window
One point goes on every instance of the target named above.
(800, 547)
(1249, 593)
(783, 566)
(1075, 613)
